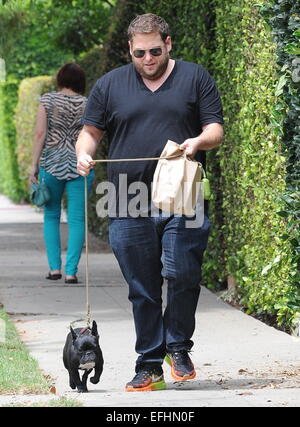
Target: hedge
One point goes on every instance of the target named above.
(192, 26)
(30, 91)
(9, 181)
(252, 167)
(2, 160)
(284, 20)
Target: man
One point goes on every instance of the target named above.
(141, 106)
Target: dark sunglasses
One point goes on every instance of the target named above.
(139, 53)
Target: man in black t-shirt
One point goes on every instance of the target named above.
(140, 106)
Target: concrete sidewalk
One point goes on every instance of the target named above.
(239, 360)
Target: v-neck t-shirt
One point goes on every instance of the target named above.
(139, 121)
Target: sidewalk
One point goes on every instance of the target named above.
(239, 360)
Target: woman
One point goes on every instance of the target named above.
(57, 126)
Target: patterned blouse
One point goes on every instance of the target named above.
(64, 113)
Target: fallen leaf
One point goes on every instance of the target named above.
(53, 390)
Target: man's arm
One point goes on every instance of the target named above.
(211, 136)
(86, 146)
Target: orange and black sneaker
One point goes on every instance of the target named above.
(182, 367)
(147, 379)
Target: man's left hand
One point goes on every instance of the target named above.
(190, 146)
(210, 137)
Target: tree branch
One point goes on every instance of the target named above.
(108, 2)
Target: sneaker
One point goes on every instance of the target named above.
(182, 367)
(147, 379)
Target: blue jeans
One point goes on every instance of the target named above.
(149, 250)
(76, 222)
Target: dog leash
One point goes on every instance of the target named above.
(138, 159)
(88, 306)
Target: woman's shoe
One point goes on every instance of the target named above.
(73, 280)
(53, 276)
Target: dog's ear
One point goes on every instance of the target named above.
(74, 335)
(94, 329)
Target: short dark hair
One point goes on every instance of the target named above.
(71, 76)
(148, 23)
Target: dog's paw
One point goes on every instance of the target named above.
(82, 390)
(94, 380)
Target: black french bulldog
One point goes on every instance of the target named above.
(82, 351)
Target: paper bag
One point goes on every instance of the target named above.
(176, 182)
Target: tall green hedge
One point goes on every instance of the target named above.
(252, 166)
(284, 21)
(9, 180)
(93, 64)
(192, 27)
(1, 138)
(30, 91)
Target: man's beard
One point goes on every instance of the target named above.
(158, 73)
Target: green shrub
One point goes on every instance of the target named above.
(284, 20)
(10, 184)
(92, 63)
(2, 158)
(252, 166)
(30, 91)
(191, 25)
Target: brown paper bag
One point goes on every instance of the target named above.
(176, 182)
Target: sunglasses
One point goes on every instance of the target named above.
(140, 53)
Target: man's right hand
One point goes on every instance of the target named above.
(84, 164)
(86, 146)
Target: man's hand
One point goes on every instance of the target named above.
(84, 164)
(210, 137)
(190, 146)
(86, 146)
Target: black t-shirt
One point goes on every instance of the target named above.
(139, 122)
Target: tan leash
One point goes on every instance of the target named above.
(139, 159)
(88, 307)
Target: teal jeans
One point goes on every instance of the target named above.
(76, 220)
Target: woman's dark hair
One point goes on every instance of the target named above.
(71, 76)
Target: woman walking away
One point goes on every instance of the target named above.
(54, 160)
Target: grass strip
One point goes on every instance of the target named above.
(62, 402)
(19, 372)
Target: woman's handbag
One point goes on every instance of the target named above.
(39, 194)
(176, 182)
